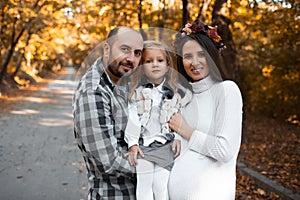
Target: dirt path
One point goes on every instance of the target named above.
(38, 157)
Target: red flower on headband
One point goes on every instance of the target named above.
(213, 34)
(209, 31)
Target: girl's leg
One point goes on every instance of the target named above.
(144, 170)
(160, 183)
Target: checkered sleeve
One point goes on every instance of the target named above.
(97, 132)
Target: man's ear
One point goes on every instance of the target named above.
(106, 50)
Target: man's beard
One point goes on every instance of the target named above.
(114, 72)
(114, 69)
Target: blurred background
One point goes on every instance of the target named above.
(262, 39)
(39, 38)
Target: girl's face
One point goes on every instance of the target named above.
(194, 60)
(155, 65)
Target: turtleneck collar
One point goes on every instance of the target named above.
(202, 85)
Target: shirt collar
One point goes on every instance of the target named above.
(160, 86)
(105, 77)
(163, 88)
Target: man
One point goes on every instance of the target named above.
(99, 117)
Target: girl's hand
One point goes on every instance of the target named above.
(176, 147)
(132, 154)
(178, 124)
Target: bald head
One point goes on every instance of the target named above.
(121, 30)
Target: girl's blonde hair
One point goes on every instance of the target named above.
(138, 73)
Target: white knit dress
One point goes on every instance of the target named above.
(206, 168)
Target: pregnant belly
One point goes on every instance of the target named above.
(186, 177)
(195, 177)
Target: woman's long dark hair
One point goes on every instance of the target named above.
(213, 56)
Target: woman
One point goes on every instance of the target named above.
(210, 124)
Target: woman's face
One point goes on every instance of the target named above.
(194, 60)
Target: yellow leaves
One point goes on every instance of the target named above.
(103, 9)
(266, 70)
(5, 9)
(81, 47)
(155, 18)
(292, 76)
(261, 192)
(49, 8)
(244, 3)
(14, 12)
(13, 2)
(240, 27)
(293, 119)
(21, 81)
(28, 13)
(243, 11)
(28, 55)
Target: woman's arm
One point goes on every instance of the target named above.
(224, 142)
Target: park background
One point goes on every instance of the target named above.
(40, 38)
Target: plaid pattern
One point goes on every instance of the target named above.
(99, 109)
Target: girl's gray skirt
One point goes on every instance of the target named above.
(160, 154)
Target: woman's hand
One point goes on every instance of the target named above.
(132, 154)
(178, 124)
(176, 147)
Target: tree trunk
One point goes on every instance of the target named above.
(17, 67)
(4, 67)
(10, 52)
(140, 14)
(229, 54)
(185, 12)
(22, 56)
(14, 42)
(202, 10)
(163, 18)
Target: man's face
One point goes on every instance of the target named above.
(125, 52)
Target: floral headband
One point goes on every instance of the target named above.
(209, 31)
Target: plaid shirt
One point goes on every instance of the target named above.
(99, 109)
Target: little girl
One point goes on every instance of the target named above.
(154, 96)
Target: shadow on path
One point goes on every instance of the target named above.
(38, 156)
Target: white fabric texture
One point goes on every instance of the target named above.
(153, 181)
(133, 128)
(152, 125)
(206, 168)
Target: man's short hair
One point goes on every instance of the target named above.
(113, 32)
(112, 35)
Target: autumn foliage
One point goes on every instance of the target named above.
(40, 37)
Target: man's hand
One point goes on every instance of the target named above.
(176, 147)
(132, 154)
